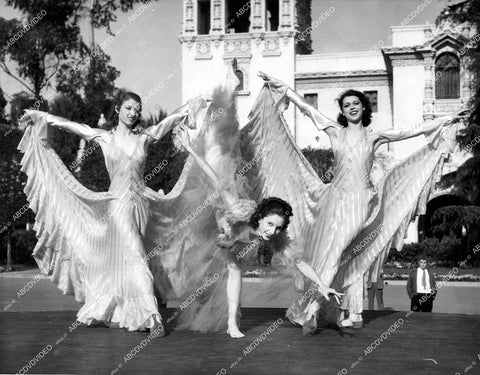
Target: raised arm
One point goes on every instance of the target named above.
(81, 130)
(187, 111)
(310, 273)
(320, 121)
(227, 198)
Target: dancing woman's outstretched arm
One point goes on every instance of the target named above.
(81, 130)
(156, 132)
(320, 121)
(393, 135)
(310, 273)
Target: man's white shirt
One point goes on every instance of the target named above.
(420, 288)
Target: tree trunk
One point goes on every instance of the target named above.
(9, 249)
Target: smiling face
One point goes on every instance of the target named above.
(270, 226)
(352, 109)
(129, 112)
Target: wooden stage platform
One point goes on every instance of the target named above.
(420, 343)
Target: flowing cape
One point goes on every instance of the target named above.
(320, 217)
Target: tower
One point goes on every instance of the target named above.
(258, 34)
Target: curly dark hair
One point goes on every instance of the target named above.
(269, 206)
(367, 112)
(121, 96)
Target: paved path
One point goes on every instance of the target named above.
(419, 344)
(42, 295)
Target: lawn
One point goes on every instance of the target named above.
(456, 274)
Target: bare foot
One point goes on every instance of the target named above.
(233, 330)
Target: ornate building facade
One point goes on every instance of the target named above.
(258, 34)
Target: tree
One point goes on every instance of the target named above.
(13, 202)
(322, 161)
(103, 13)
(164, 151)
(49, 35)
(459, 227)
(467, 182)
(3, 104)
(39, 42)
(468, 12)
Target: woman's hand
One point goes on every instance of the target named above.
(460, 115)
(324, 291)
(28, 114)
(197, 103)
(273, 82)
(225, 227)
(28, 118)
(455, 117)
(191, 110)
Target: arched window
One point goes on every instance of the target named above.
(239, 74)
(447, 77)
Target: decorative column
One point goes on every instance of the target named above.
(466, 79)
(189, 17)
(428, 99)
(286, 15)
(217, 17)
(257, 16)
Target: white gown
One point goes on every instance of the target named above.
(93, 243)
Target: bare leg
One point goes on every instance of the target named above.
(234, 286)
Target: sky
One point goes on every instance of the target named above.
(147, 50)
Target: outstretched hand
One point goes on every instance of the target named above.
(455, 117)
(197, 103)
(461, 114)
(324, 291)
(28, 117)
(28, 114)
(275, 83)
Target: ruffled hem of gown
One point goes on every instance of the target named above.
(64, 209)
(132, 313)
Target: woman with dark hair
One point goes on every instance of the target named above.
(367, 107)
(351, 208)
(245, 227)
(92, 242)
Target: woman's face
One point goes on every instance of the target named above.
(129, 112)
(352, 109)
(270, 226)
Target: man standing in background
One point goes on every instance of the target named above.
(421, 287)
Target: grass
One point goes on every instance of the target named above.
(456, 274)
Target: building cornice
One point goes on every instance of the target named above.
(364, 78)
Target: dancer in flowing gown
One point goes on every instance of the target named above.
(245, 227)
(340, 215)
(91, 242)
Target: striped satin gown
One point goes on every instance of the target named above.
(340, 215)
(92, 243)
(357, 223)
